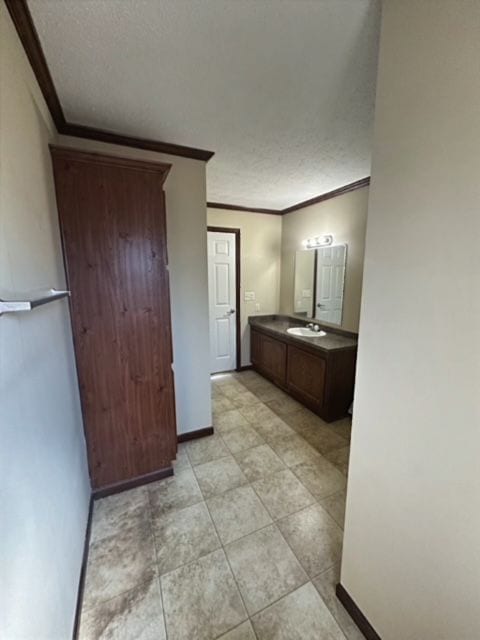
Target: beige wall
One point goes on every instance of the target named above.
(345, 217)
(260, 263)
(185, 193)
(45, 489)
(411, 557)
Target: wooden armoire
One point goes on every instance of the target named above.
(112, 219)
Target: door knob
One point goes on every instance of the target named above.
(229, 313)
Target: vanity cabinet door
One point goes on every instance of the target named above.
(269, 356)
(306, 376)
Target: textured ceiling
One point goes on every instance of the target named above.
(281, 90)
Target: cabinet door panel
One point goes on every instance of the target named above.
(274, 356)
(270, 356)
(306, 375)
(255, 348)
(112, 217)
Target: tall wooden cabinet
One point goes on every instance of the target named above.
(112, 219)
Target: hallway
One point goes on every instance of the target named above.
(243, 542)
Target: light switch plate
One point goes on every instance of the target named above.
(249, 296)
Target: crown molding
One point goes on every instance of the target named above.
(22, 19)
(353, 186)
(103, 135)
(236, 207)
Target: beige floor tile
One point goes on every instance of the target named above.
(182, 461)
(206, 449)
(221, 404)
(244, 399)
(322, 439)
(265, 392)
(177, 492)
(219, 476)
(301, 615)
(272, 428)
(320, 477)
(243, 632)
(342, 427)
(265, 568)
(303, 419)
(237, 513)
(241, 439)
(335, 506)
(201, 600)
(315, 538)
(259, 462)
(184, 535)
(118, 512)
(216, 392)
(248, 377)
(282, 493)
(283, 405)
(233, 389)
(119, 563)
(257, 413)
(229, 420)
(134, 614)
(293, 449)
(226, 382)
(325, 584)
(339, 458)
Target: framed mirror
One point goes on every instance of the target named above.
(319, 283)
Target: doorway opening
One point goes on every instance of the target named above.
(224, 299)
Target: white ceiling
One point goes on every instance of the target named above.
(281, 90)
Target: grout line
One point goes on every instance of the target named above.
(229, 565)
(150, 508)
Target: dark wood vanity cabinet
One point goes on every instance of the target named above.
(322, 380)
(306, 376)
(269, 356)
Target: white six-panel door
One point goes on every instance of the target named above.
(222, 300)
(330, 282)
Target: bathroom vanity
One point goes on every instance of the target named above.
(317, 371)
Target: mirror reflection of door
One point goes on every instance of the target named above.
(329, 284)
(222, 295)
(304, 283)
(319, 283)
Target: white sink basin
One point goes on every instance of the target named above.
(305, 332)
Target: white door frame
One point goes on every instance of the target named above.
(238, 337)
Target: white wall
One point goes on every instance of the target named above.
(44, 485)
(411, 555)
(185, 193)
(260, 238)
(345, 217)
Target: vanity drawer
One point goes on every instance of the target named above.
(306, 376)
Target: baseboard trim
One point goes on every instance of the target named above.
(117, 487)
(83, 571)
(193, 435)
(245, 367)
(355, 613)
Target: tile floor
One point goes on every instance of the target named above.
(243, 543)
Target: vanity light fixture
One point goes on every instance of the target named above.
(318, 241)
